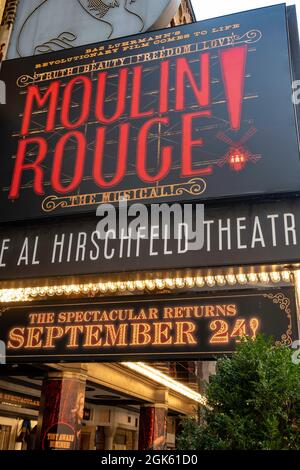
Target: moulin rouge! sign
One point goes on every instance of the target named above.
(201, 111)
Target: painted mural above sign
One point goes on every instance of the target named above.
(188, 113)
(80, 22)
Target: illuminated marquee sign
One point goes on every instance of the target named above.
(162, 327)
(201, 111)
(18, 400)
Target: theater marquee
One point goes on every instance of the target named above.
(201, 111)
(156, 328)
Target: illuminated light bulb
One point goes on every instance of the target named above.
(264, 277)
(285, 276)
(221, 280)
(170, 283)
(34, 292)
(231, 279)
(210, 281)
(275, 277)
(59, 290)
(252, 277)
(190, 282)
(112, 287)
(6, 295)
(200, 282)
(50, 291)
(140, 285)
(160, 284)
(102, 287)
(179, 282)
(150, 284)
(122, 286)
(242, 278)
(20, 294)
(115, 284)
(130, 285)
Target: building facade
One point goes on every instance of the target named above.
(184, 15)
(151, 322)
(115, 395)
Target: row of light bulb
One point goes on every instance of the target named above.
(31, 293)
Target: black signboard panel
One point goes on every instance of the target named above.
(234, 235)
(9, 398)
(152, 328)
(200, 111)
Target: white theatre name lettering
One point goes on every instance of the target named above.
(220, 235)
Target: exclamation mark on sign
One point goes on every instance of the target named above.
(233, 65)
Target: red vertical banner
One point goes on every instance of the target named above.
(61, 411)
(153, 427)
(233, 65)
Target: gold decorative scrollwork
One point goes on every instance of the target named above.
(254, 35)
(3, 309)
(53, 202)
(195, 187)
(24, 80)
(284, 304)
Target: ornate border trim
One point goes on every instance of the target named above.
(284, 304)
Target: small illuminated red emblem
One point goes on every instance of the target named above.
(237, 156)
